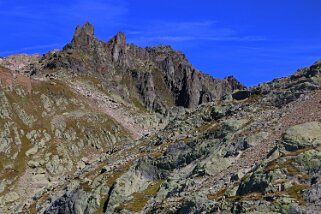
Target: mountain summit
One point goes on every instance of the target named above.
(87, 29)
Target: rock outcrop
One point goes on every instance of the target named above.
(18, 62)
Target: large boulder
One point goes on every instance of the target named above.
(241, 94)
(302, 136)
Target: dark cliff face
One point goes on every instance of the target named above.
(159, 77)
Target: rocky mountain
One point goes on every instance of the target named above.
(109, 127)
(158, 77)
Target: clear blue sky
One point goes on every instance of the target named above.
(254, 40)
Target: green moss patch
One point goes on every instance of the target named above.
(138, 104)
(140, 199)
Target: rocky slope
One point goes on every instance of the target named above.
(108, 127)
(18, 61)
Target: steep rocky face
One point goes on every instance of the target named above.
(159, 77)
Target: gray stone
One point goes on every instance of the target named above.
(32, 151)
(11, 197)
(302, 136)
(33, 164)
(241, 94)
(2, 186)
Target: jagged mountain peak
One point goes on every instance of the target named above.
(159, 77)
(119, 39)
(86, 29)
(83, 37)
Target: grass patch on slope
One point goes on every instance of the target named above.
(140, 199)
